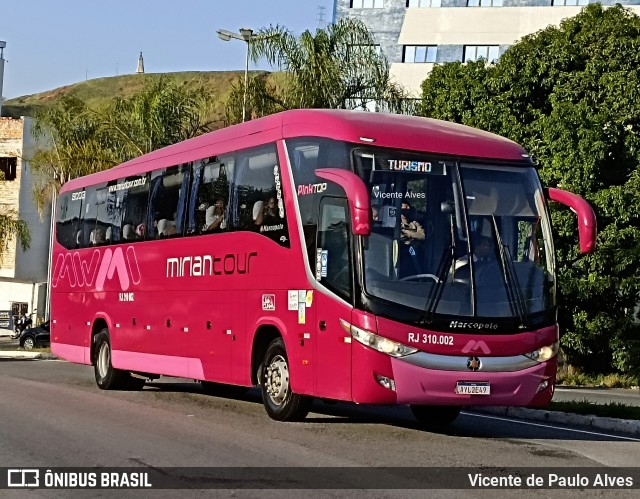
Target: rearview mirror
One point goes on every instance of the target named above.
(357, 195)
(587, 224)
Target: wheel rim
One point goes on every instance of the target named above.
(104, 359)
(277, 380)
(28, 344)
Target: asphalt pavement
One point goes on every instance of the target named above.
(10, 348)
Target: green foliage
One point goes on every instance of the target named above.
(335, 68)
(571, 96)
(11, 227)
(81, 140)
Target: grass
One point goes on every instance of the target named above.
(573, 377)
(98, 91)
(586, 408)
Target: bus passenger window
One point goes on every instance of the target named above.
(209, 200)
(166, 201)
(258, 195)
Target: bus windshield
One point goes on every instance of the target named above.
(456, 239)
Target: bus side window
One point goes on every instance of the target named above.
(68, 221)
(208, 210)
(333, 247)
(167, 198)
(93, 230)
(129, 215)
(257, 200)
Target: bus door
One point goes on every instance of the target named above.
(334, 290)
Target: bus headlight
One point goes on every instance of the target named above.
(377, 342)
(544, 353)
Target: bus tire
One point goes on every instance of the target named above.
(435, 415)
(279, 401)
(107, 377)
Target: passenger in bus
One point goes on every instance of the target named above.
(215, 217)
(483, 252)
(375, 216)
(129, 233)
(410, 229)
(97, 237)
(266, 214)
(166, 228)
(411, 236)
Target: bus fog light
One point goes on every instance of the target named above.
(386, 382)
(543, 386)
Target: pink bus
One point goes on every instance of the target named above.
(353, 256)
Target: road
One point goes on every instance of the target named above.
(52, 415)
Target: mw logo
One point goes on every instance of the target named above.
(96, 269)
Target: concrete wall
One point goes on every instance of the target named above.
(11, 131)
(23, 274)
(14, 291)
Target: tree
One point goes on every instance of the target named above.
(11, 227)
(571, 96)
(80, 140)
(337, 68)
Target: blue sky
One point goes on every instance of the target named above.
(52, 43)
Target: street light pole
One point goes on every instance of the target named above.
(246, 85)
(246, 35)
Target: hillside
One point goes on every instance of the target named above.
(95, 92)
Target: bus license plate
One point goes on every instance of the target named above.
(467, 388)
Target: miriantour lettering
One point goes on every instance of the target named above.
(208, 265)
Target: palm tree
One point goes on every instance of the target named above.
(80, 140)
(337, 68)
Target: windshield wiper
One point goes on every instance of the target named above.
(436, 291)
(514, 291)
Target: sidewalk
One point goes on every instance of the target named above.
(10, 349)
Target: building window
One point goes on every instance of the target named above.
(420, 53)
(563, 3)
(475, 52)
(484, 3)
(424, 3)
(367, 4)
(8, 168)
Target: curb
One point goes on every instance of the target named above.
(19, 354)
(628, 426)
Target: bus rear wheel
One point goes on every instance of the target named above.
(279, 401)
(435, 415)
(107, 377)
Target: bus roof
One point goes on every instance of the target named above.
(379, 129)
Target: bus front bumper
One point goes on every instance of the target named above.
(405, 381)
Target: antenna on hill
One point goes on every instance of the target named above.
(321, 21)
(140, 69)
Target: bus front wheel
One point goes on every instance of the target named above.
(107, 377)
(435, 415)
(279, 401)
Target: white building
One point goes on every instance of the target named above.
(416, 34)
(23, 274)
